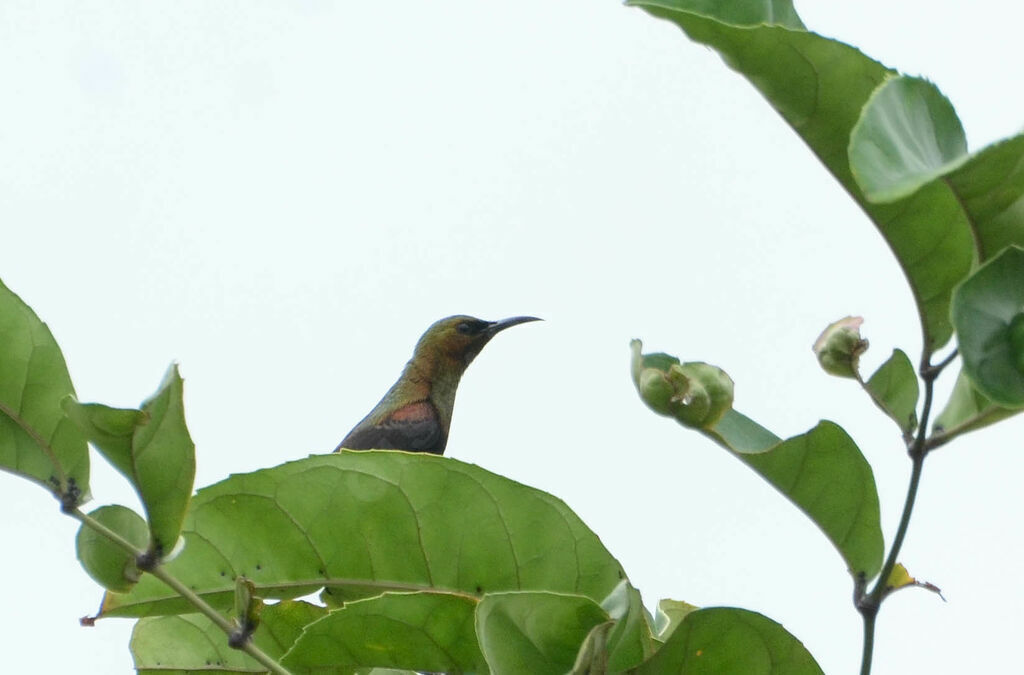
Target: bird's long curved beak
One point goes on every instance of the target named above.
(498, 326)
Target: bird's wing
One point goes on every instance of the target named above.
(415, 427)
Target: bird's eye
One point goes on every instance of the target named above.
(464, 328)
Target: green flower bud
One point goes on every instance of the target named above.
(691, 402)
(696, 394)
(839, 347)
(656, 391)
(717, 388)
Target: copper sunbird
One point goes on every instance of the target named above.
(416, 413)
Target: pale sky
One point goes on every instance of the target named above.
(282, 196)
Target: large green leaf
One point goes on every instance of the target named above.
(152, 448)
(535, 631)
(727, 641)
(988, 312)
(364, 522)
(907, 136)
(967, 210)
(822, 472)
(193, 643)
(417, 631)
(36, 440)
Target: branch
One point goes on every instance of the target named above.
(869, 604)
(160, 573)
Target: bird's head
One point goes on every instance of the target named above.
(458, 339)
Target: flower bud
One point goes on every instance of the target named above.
(656, 391)
(839, 347)
(713, 387)
(696, 394)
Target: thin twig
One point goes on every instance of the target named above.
(201, 605)
(934, 370)
(869, 603)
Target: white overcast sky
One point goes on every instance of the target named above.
(282, 196)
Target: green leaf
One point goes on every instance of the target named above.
(165, 462)
(152, 448)
(536, 631)
(991, 187)
(416, 631)
(628, 641)
(894, 388)
(985, 312)
(820, 87)
(824, 473)
(110, 430)
(746, 13)
(364, 522)
(966, 410)
(592, 656)
(36, 439)
(669, 616)
(110, 565)
(186, 643)
(282, 624)
(907, 136)
(191, 642)
(723, 640)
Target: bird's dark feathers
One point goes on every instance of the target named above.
(420, 431)
(473, 326)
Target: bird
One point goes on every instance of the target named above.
(416, 413)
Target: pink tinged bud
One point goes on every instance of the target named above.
(839, 347)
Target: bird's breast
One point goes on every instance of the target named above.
(414, 412)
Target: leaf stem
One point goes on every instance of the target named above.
(869, 603)
(184, 591)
